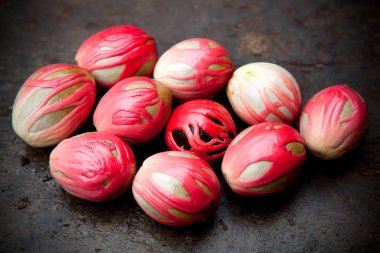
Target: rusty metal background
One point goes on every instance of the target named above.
(334, 207)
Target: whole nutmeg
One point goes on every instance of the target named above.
(194, 68)
(262, 92)
(52, 104)
(135, 109)
(116, 53)
(333, 121)
(176, 188)
(202, 127)
(93, 166)
(263, 159)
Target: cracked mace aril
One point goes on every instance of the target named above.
(333, 121)
(263, 159)
(176, 188)
(195, 68)
(202, 127)
(116, 53)
(135, 109)
(264, 92)
(93, 166)
(52, 104)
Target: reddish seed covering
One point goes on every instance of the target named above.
(116, 53)
(194, 69)
(135, 109)
(93, 166)
(333, 121)
(52, 104)
(261, 92)
(263, 159)
(202, 127)
(176, 188)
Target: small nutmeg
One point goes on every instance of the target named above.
(176, 188)
(263, 159)
(116, 53)
(261, 92)
(52, 104)
(93, 166)
(135, 109)
(333, 121)
(195, 68)
(202, 127)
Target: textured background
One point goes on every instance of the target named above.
(334, 207)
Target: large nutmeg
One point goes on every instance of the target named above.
(116, 53)
(194, 68)
(93, 166)
(176, 188)
(333, 121)
(262, 92)
(263, 159)
(52, 104)
(135, 109)
(202, 127)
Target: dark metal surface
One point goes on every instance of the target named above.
(334, 207)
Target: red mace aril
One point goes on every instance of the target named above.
(135, 109)
(117, 53)
(93, 166)
(333, 121)
(176, 188)
(261, 92)
(202, 127)
(263, 159)
(194, 68)
(52, 104)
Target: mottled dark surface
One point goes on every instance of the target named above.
(334, 207)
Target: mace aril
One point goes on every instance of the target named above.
(93, 166)
(135, 109)
(52, 104)
(263, 159)
(264, 92)
(116, 53)
(333, 121)
(176, 188)
(196, 68)
(202, 127)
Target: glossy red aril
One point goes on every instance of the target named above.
(135, 109)
(93, 166)
(202, 127)
(194, 68)
(263, 159)
(116, 53)
(176, 188)
(261, 92)
(52, 104)
(333, 121)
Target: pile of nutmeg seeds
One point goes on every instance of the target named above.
(178, 187)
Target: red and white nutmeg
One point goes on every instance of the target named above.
(135, 109)
(333, 121)
(263, 159)
(52, 104)
(176, 188)
(93, 166)
(116, 53)
(194, 68)
(264, 92)
(202, 127)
